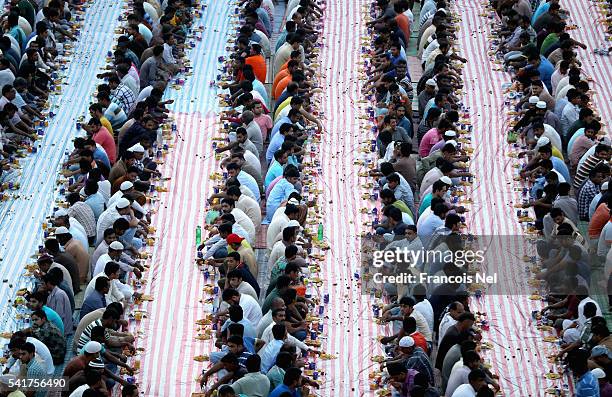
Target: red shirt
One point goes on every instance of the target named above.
(106, 140)
(419, 340)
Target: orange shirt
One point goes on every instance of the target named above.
(599, 220)
(258, 62)
(280, 87)
(419, 340)
(279, 76)
(404, 24)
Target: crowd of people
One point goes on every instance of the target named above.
(35, 42)
(259, 235)
(266, 320)
(423, 172)
(88, 270)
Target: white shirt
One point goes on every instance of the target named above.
(6, 77)
(246, 288)
(250, 308)
(78, 392)
(104, 259)
(145, 93)
(447, 322)
(276, 226)
(247, 224)
(118, 291)
(464, 391)
(605, 239)
(264, 322)
(267, 337)
(457, 378)
(278, 250)
(581, 318)
(426, 310)
(421, 325)
(42, 351)
(250, 208)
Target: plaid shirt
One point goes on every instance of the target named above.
(53, 338)
(124, 97)
(419, 361)
(85, 215)
(585, 196)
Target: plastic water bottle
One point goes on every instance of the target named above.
(198, 235)
(320, 232)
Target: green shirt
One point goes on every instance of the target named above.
(27, 11)
(548, 41)
(425, 203)
(578, 124)
(268, 302)
(400, 205)
(276, 375)
(277, 270)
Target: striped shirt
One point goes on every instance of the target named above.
(83, 213)
(86, 334)
(582, 173)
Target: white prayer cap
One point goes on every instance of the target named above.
(61, 230)
(604, 186)
(123, 203)
(450, 133)
(406, 341)
(116, 246)
(452, 142)
(542, 141)
(61, 212)
(92, 347)
(293, 223)
(431, 83)
(137, 148)
(126, 185)
(446, 180)
(293, 201)
(598, 373)
(533, 100)
(541, 105)
(442, 10)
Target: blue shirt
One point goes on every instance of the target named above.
(542, 8)
(97, 203)
(428, 227)
(275, 143)
(54, 318)
(100, 155)
(279, 122)
(587, 386)
(263, 16)
(115, 115)
(93, 302)
(268, 354)
(250, 182)
(279, 193)
(546, 69)
(560, 167)
(282, 388)
(259, 87)
(281, 40)
(275, 170)
(249, 331)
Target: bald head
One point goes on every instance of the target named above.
(277, 303)
(247, 116)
